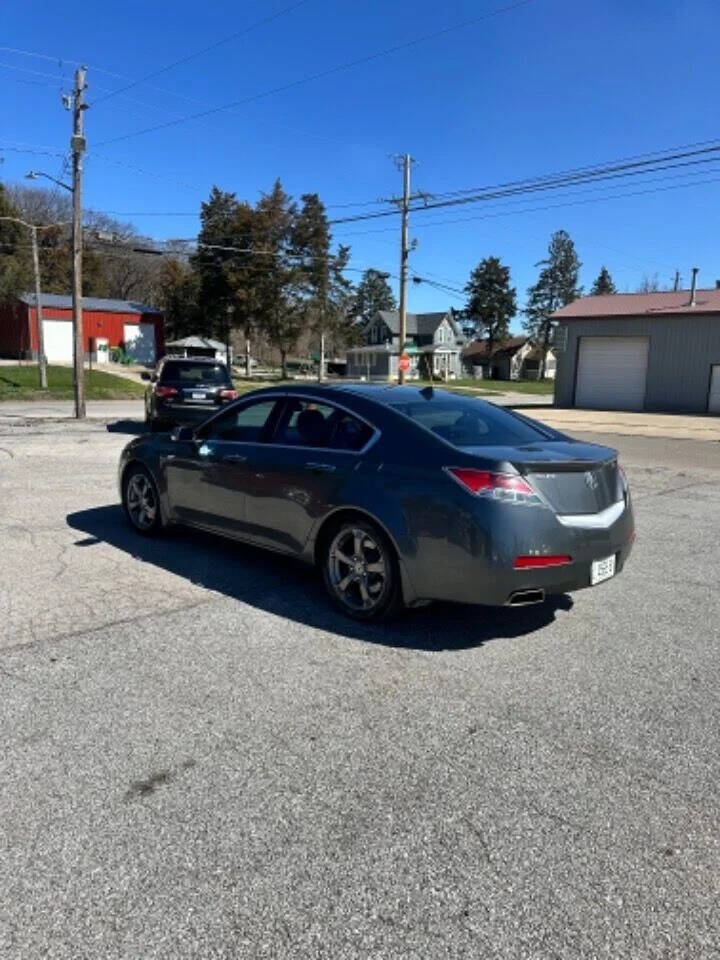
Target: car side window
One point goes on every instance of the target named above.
(350, 433)
(304, 423)
(246, 424)
(307, 423)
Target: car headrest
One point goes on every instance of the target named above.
(311, 427)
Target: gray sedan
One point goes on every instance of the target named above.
(399, 495)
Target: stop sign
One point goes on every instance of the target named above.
(404, 362)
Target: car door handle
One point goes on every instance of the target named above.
(320, 467)
(233, 458)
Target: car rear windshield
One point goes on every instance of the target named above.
(468, 422)
(185, 371)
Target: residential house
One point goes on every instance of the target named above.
(433, 345)
(515, 358)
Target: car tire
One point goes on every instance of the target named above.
(141, 501)
(360, 570)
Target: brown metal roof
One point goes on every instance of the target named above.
(668, 302)
(479, 348)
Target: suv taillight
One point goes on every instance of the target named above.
(165, 392)
(506, 487)
(229, 394)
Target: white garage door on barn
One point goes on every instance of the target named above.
(58, 337)
(612, 372)
(140, 341)
(714, 397)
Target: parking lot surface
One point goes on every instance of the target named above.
(201, 759)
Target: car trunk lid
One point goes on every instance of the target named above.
(573, 478)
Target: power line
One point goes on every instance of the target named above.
(679, 148)
(557, 181)
(199, 53)
(554, 206)
(330, 71)
(34, 151)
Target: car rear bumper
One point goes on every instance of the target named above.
(474, 561)
(186, 413)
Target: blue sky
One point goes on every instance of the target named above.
(551, 85)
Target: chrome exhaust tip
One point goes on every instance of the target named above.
(526, 598)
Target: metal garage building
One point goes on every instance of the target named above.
(640, 351)
(136, 327)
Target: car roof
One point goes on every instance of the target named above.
(385, 394)
(170, 356)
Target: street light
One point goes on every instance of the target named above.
(34, 174)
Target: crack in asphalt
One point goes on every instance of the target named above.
(87, 631)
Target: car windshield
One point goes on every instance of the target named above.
(468, 422)
(185, 371)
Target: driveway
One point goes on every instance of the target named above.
(202, 760)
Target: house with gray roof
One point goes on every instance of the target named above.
(434, 343)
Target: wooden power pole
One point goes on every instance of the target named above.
(77, 144)
(406, 162)
(42, 363)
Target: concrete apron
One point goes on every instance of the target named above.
(672, 426)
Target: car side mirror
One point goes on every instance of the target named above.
(183, 433)
(145, 375)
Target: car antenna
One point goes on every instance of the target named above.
(427, 393)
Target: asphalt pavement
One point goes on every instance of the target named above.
(202, 760)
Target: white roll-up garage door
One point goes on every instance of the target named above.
(714, 398)
(58, 337)
(140, 342)
(611, 373)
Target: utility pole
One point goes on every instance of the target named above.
(321, 367)
(676, 285)
(228, 328)
(77, 144)
(42, 362)
(406, 162)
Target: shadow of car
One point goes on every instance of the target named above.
(286, 588)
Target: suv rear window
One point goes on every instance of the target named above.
(468, 422)
(186, 371)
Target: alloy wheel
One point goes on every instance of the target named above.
(141, 501)
(358, 569)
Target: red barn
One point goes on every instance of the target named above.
(106, 324)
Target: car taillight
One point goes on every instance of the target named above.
(229, 394)
(496, 486)
(536, 561)
(165, 392)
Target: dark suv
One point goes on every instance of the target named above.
(186, 391)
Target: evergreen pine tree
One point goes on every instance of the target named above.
(492, 302)
(603, 284)
(280, 282)
(373, 293)
(556, 286)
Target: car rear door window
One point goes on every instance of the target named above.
(308, 423)
(246, 424)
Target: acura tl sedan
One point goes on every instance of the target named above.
(399, 495)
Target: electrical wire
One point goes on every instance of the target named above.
(555, 206)
(329, 71)
(199, 53)
(554, 182)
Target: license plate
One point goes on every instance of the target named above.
(602, 570)
(199, 396)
